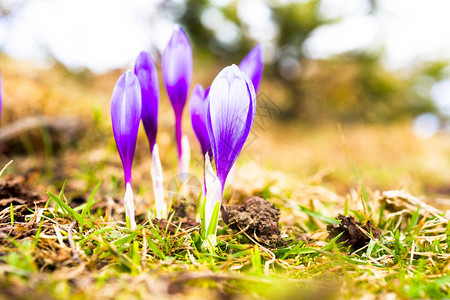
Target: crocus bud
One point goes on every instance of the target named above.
(253, 66)
(177, 72)
(147, 75)
(231, 110)
(197, 107)
(125, 116)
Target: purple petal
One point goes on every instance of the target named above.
(145, 71)
(231, 110)
(177, 69)
(253, 66)
(177, 72)
(126, 105)
(197, 107)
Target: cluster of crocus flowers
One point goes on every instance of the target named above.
(177, 71)
(221, 117)
(136, 97)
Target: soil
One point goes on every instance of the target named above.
(183, 210)
(23, 199)
(172, 227)
(15, 192)
(352, 236)
(258, 217)
(183, 216)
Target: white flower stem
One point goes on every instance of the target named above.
(129, 205)
(184, 160)
(158, 188)
(213, 195)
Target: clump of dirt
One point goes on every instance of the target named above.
(15, 192)
(183, 210)
(182, 216)
(258, 217)
(23, 199)
(352, 234)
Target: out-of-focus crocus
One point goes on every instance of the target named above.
(231, 107)
(253, 66)
(147, 75)
(126, 106)
(177, 72)
(197, 107)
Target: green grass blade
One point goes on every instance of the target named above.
(155, 249)
(313, 214)
(66, 207)
(332, 243)
(38, 232)
(214, 219)
(414, 219)
(87, 207)
(11, 212)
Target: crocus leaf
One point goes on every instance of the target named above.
(231, 109)
(197, 107)
(147, 75)
(126, 108)
(253, 66)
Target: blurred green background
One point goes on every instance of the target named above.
(352, 84)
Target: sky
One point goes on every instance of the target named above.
(82, 33)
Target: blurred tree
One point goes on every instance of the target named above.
(351, 87)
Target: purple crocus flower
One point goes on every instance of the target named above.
(145, 71)
(253, 66)
(177, 72)
(147, 75)
(230, 114)
(197, 107)
(231, 106)
(126, 106)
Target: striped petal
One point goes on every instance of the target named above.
(230, 114)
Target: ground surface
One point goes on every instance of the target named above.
(63, 239)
